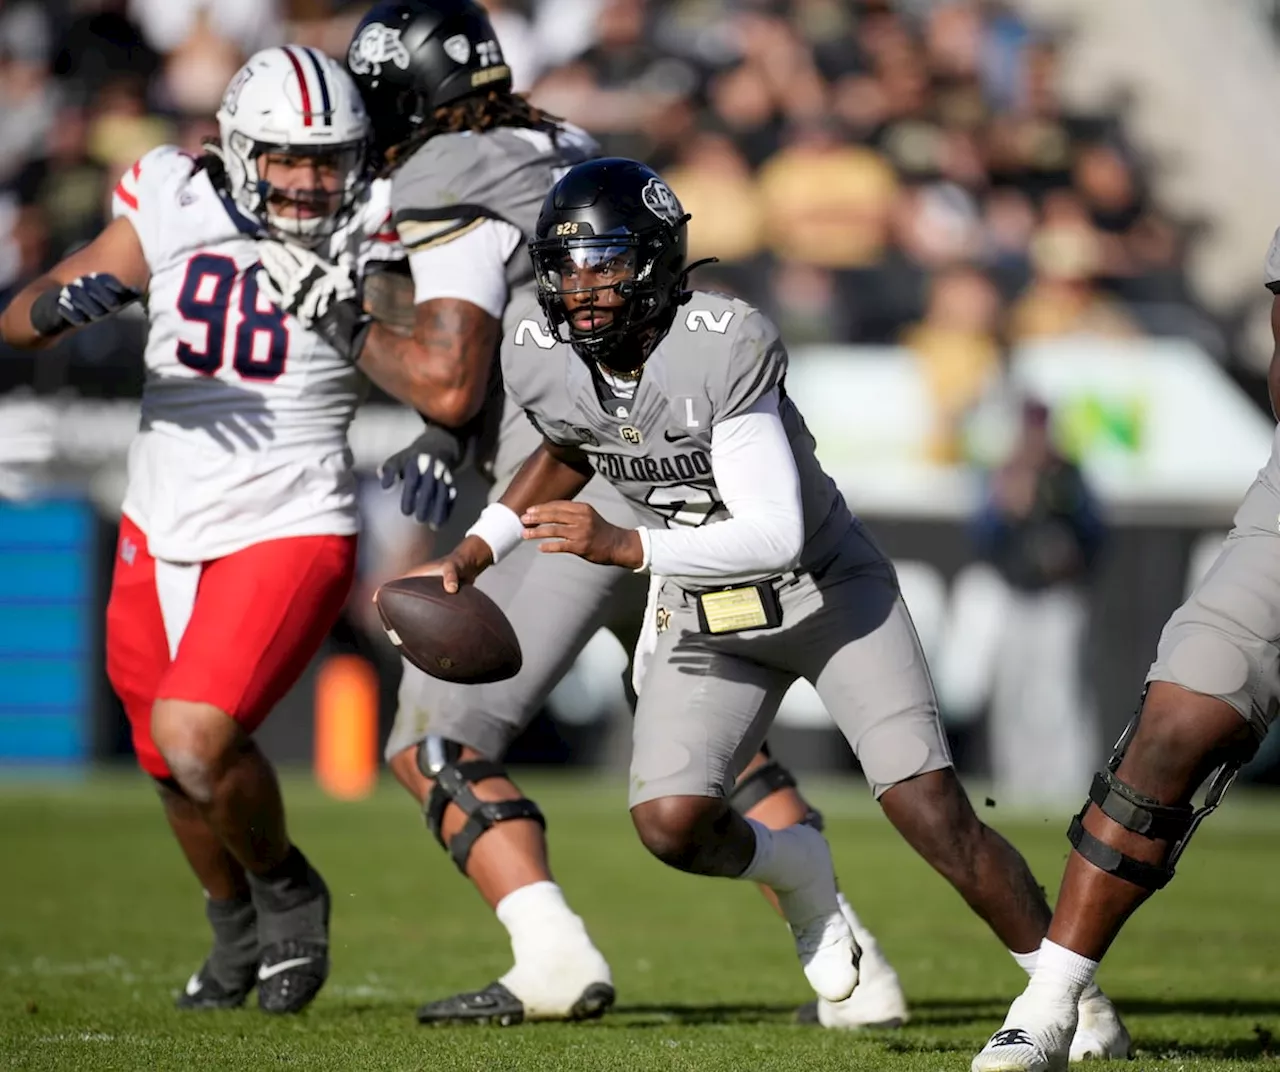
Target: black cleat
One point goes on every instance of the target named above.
(495, 1005)
(203, 991)
(291, 974)
(295, 961)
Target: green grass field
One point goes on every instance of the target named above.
(100, 924)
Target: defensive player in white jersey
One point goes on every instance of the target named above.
(237, 543)
(472, 163)
(1211, 698)
(678, 398)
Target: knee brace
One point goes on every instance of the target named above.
(1146, 816)
(453, 778)
(762, 783)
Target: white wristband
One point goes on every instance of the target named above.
(500, 527)
(645, 549)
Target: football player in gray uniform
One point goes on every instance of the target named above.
(678, 400)
(1211, 697)
(471, 164)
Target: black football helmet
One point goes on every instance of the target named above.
(619, 219)
(408, 57)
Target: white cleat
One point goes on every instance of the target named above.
(824, 940)
(829, 956)
(1100, 1034)
(877, 1002)
(1035, 1038)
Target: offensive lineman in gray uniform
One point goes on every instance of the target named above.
(473, 165)
(1211, 697)
(678, 399)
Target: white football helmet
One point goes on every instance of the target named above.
(299, 100)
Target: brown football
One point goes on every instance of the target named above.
(462, 637)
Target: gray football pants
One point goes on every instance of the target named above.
(1224, 641)
(708, 701)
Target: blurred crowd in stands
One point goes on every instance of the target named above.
(867, 171)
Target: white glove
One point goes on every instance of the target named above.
(302, 283)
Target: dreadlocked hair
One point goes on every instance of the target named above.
(476, 113)
(494, 109)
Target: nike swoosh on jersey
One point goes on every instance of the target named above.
(297, 962)
(676, 438)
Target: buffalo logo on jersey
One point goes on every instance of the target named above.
(376, 45)
(679, 468)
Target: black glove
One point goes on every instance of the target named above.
(426, 467)
(82, 301)
(345, 326)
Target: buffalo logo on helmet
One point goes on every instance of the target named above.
(659, 200)
(376, 45)
(458, 48)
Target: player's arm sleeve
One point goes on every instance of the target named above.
(470, 265)
(755, 473)
(756, 365)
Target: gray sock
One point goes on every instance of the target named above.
(235, 940)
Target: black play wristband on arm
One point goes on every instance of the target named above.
(345, 326)
(47, 317)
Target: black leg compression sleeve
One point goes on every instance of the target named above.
(453, 783)
(761, 784)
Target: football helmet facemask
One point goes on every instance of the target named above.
(294, 110)
(609, 259)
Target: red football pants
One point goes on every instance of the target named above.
(256, 619)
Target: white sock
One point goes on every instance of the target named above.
(555, 960)
(540, 922)
(1028, 961)
(1062, 973)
